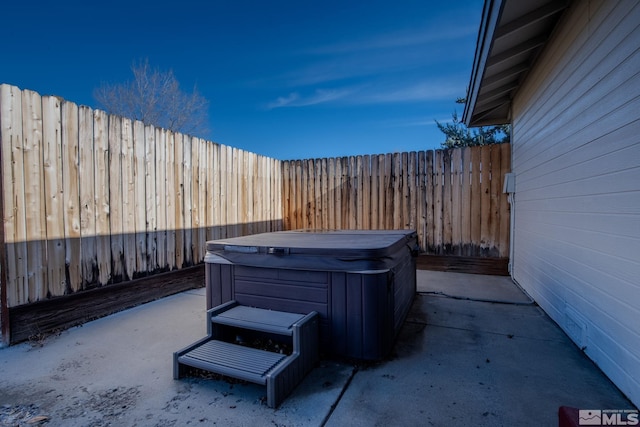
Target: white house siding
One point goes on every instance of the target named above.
(576, 157)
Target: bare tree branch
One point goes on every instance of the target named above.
(154, 97)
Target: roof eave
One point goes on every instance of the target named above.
(512, 34)
(490, 18)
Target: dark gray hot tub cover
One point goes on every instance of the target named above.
(337, 250)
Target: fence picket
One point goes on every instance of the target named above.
(465, 202)
(382, 177)
(151, 202)
(71, 194)
(139, 205)
(352, 197)
(315, 201)
(213, 191)
(243, 199)
(161, 197)
(504, 227)
(456, 202)
(495, 194)
(475, 202)
(179, 206)
(232, 162)
(331, 193)
(447, 213)
(359, 189)
(115, 197)
(485, 198)
(195, 200)
(430, 196)
(373, 183)
(86, 170)
(203, 190)
(187, 194)
(171, 197)
(411, 195)
(34, 195)
(224, 196)
(101, 170)
(15, 227)
(338, 193)
(404, 195)
(54, 204)
(129, 198)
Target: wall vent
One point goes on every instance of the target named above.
(575, 325)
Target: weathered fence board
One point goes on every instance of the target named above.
(102, 182)
(139, 206)
(86, 167)
(465, 203)
(212, 202)
(34, 194)
(203, 192)
(71, 194)
(52, 163)
(160, 194)
(222, 190)
(15, 228)
(180, 200)
(188, 201)
(171, 200)
(504, 227)
(115, 197)
(151, 204)
(129, 205)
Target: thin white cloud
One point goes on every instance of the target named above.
(319, 96)
(375, 94)
(396, 40)
(283, 101)
(422, 122)
(430, 90)
(359, 63)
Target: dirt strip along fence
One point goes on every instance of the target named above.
(452, 198)
(90, 199)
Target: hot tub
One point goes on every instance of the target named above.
(362, 283)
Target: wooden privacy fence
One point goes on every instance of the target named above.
(452, 198)
(90, 198)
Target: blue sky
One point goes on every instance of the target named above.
(286, 79)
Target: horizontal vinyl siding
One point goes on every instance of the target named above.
(576, 156)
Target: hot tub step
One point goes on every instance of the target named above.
(256, 319)
(279, 372)
(245, 363)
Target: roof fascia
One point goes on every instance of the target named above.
(490, 18)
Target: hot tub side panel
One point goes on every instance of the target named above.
(294, 291)
(405, 288)
(356, 310)
(218, 279)
(272, 289)
(361, 313)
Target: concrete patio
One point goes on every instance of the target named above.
(474, 350)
